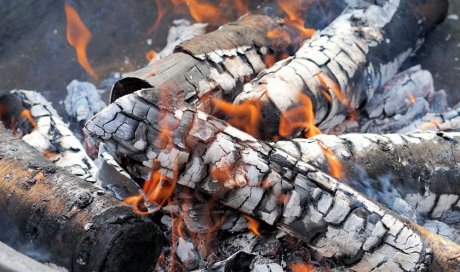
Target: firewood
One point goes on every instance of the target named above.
(73, 221)
(342, 66)
(211, 64)
(11, 261)
(204, 153)
(46, 131)
(421, 166)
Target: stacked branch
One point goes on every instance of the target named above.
(200, 152)
(342, 66)
(70, 221)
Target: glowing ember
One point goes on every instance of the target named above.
(49, 154)
(150, 55)
(302, 267)
(179, 227)
(411, 98)
(78, 37)
(335, 166)
(301, 116)
(253, 225)
(26, 113)
(294, 9)
(244, 116)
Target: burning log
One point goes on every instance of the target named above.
(195, 150)
(210, 64)
(74, 222)
(32, 116)
(342, 66)
(421, 167)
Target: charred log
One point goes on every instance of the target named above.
(73, 221)
(421, 167)
(243, 173)
(342, 66)
(214, 64)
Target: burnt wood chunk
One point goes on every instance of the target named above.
(69, 221)
(341, 67)
(214, 64)
(331, 217)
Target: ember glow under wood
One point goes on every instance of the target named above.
(211, 64)
(248, 175)
(47, 132)
(342, 66)
(73, 221)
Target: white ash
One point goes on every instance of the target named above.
(82, 100)
(112, 177)
(181, 30)
(187, 254)
(53, 137)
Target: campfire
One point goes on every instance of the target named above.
(290, 135)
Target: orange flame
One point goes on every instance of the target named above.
(335, 166)
(150, 55)
(293, 9)
(244, 116)
(179, 228)
(430, 124)
(253, 225)
(331, 85)
(299, 117)
(411, 98)
(26, 113)
(302, 267)
(161, 11)
(78, 37)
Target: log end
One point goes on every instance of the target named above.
(131, 243)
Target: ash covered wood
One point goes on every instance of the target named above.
(44, 129)
(215, 63)
(251, 176)
(342, 66)
(68, 221)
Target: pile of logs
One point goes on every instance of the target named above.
(215, 139)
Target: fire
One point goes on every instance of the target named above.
(78, 37)
(293, 9)
(161, 11)
(49, 154)
(244, 116)
(331, 85)
(179, 227)
(26, 113)
(150, 55)
(430, 124)
(253, 225)
(302, 267)
(411, 98)
(335, 166)
(301, 116)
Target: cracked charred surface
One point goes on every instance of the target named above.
(329, 216)
(342, 66)
(51, 136)
(73, 221)
(213, 64)
(421, 166)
